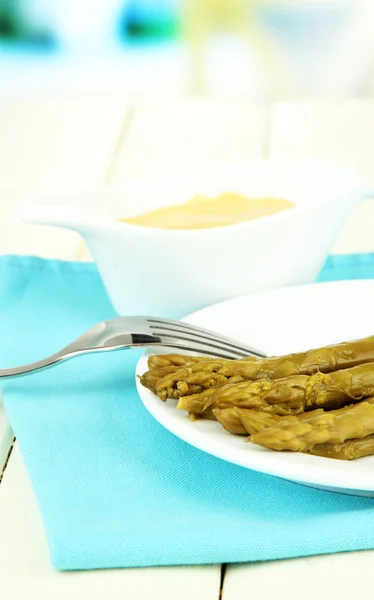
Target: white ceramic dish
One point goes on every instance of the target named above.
(172, 273)
(279, 322)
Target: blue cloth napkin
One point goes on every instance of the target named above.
(116, 489)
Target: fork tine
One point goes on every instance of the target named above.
(203, 340)
(197, 333)
(179, 325)
(193, 345)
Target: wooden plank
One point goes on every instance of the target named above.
(337, 131)
(25, 570)
(165, 139)
(58, 144)
(46, 146)
(332, 576)
(6, 438)
(50, 147)
(24, 562)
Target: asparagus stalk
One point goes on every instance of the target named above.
(323, 360)
(229, 420)
(196, 403)
(150, 378)
(183, 383)
(333, 427)
(298, 393)
(255, 421)
(253, 395)
(349, 450)
(173, 360)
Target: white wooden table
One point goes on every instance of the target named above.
(64, 143)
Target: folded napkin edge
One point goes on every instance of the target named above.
(41, 263)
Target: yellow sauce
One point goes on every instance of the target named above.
(202, 212)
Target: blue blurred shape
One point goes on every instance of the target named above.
(151, 18)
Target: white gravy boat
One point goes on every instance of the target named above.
(175, 272)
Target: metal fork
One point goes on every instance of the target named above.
(137, 332)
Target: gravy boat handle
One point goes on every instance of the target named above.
(68, 217)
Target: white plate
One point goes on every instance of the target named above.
(278, 322)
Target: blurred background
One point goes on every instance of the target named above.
(256, 49)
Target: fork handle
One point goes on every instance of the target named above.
(50, 361)
(39, 365)
(71, 351)
(75, 349)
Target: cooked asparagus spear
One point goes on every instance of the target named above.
(300, 392)
(196, 403)
(333, 427)
(175, 360)
(254, 421)
(257, 420)
(161, 365)
(253, 395)
(150, 378)
(183, 382)
(324, 360)
(176, 386)
(206, 414)
(229, 420)
(349, 450)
